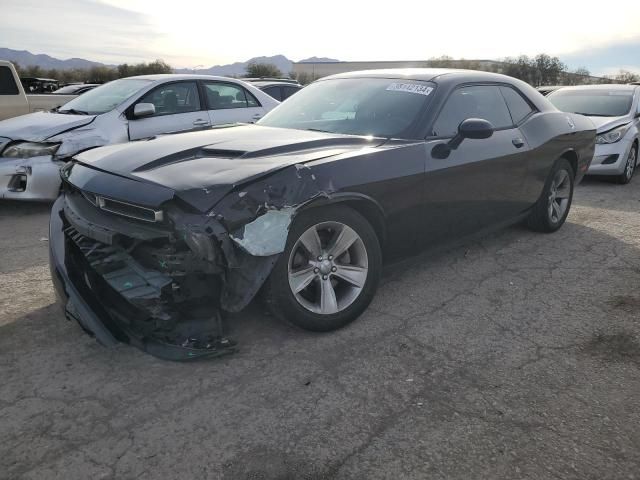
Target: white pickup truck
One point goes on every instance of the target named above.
(13, 100)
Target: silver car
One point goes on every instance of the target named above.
(34, 146)
(615, 111)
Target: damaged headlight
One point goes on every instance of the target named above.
(30, 149)
(201, 244)
(612, 136)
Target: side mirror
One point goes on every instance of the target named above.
(473, 128)
(142, 110)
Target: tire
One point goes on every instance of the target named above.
(313, 307)
(544, 216)
(629, 167)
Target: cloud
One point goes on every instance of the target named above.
(206, 32)
(608, 59)
(78, 28)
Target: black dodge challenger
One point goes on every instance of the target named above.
(152, 243)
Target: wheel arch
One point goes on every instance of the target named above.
(366, 206)
(572, 157)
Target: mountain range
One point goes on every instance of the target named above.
(25, 58)
(239, 68)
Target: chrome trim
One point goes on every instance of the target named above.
(154, 216)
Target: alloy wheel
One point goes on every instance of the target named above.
(328, 267)
(631, 164)
(559, 193)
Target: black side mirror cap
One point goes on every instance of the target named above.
(474, 128)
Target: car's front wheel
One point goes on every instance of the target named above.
(329, 271)
(551, 210)
(629, 167)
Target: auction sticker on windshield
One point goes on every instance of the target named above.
(410, 88)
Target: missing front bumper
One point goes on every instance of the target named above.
(127, 302)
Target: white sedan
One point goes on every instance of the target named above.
(615, 111)
(34, 146)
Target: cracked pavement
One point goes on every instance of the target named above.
(512, 355)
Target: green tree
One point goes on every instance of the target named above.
(261, 70)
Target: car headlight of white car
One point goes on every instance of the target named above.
(612, 136)
(30, 149)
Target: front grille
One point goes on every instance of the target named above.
(119, 207)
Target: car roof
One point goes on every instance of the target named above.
(181, 76)
(270, 83)
(605, 86)
(427, 74)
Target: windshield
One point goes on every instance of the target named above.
(105, 97)
(355, 106)
(594, 103)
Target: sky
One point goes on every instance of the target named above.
(194, 33)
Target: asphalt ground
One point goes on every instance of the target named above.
(514, 355)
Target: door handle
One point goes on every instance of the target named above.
(257, 116)
(201, 122)
(518, 142)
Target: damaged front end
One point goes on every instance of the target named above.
(163, 278)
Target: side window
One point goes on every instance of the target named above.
(7, 83)
(274, 92)
(179, 97)
(288, 91)
(251, 100)
(221, 96)
(482, 101)
(518, 106)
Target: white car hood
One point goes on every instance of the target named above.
(40, 126)
(603, 124)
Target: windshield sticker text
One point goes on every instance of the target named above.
(410, 88)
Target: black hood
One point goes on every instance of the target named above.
(202, 167)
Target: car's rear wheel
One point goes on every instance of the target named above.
(329, 271)
(629, 167)
(551, 210)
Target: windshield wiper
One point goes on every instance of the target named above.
(73, 111)
(317, 130)
(593, 114)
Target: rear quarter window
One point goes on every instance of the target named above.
(7, 83)
(518, 106)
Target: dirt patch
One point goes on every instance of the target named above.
(616, 347)
(625, 302)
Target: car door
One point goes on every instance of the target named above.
(482, 181)
(230, 103)
(178, 109)
(12, 102)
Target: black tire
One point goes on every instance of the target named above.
(540, 219)
(629, 167)
(279, 295)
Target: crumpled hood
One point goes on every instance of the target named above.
(39, 126)
(604, 124)
(202, 167)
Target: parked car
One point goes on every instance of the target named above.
(150, 240)
(547, 89)
(76, 88)
(33, 147)
(615, 110)
(278, 88)
(13, 99)
(39, 85)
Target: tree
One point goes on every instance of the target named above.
(520, 67)
(547, 69)
(625, 76)
(261, 70)
(303, 78)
